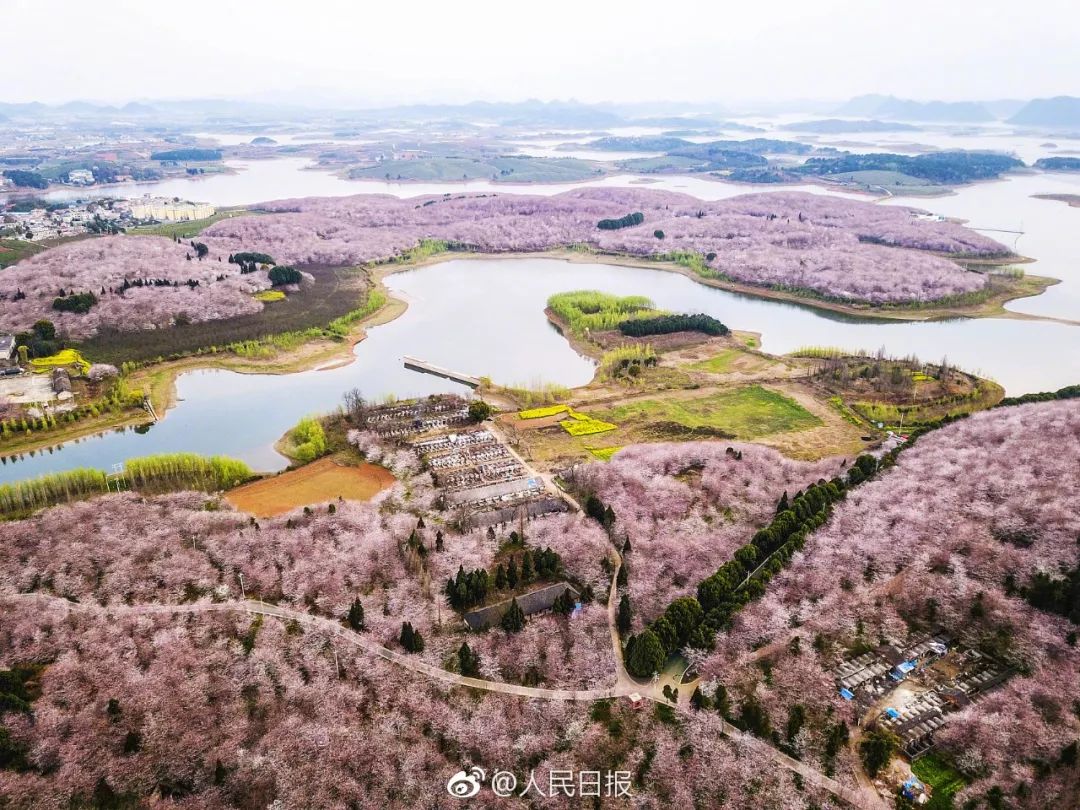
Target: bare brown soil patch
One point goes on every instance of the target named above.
(320, 482)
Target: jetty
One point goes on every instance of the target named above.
(428, 368)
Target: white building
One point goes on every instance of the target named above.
(7, 350)
(164, 209)
(82, 177)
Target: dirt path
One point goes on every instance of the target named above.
(624, 686)
(358, 640)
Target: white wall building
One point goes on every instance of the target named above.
(168, 210)
(82, 177)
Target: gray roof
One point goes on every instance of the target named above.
(508, 514)
(532, 602)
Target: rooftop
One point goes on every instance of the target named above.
(532, 602)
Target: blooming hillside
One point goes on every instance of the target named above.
(687, 507)
(948, 538)
(835, 247)
(213, 711)
(164, 290)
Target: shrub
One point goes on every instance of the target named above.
(628, 221)
(665, 324)
(308, 439)
(249, 257)
(283, 274)
(587, 310)
(79, 303)
(628, 359)
(479, 410)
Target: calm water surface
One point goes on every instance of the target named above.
(485, 317)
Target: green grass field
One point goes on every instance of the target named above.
(184, 230)
(892, 181)
(664, 163)
(745, 412)
(13, 250)
(720, 363)
(945, 780)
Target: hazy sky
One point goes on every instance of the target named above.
(446, 50)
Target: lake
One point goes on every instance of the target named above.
(1002, 205)
(252, 181)
(485, 317)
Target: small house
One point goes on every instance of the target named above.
(902, 670)
(539, 601)
(7, 350)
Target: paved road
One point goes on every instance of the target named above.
(624, 686)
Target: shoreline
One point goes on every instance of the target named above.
(992, 308)
(1071, 200)
(875, 193)
(159, 380)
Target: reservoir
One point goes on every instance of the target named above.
(485, 317)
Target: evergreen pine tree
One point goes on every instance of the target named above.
(468, 662)
(646, 656)
(698, 700)
(411, 639)
(512, 573)
(625, 619)
(564, 603)
(513, 621)
(356, 615)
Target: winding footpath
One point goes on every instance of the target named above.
(409, 662)
(623, 687)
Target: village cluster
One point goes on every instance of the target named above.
(46, 222)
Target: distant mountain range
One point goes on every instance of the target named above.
(1060, 111)
(833, 126)
(530, 112)
(890, 107)
(871, 113)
